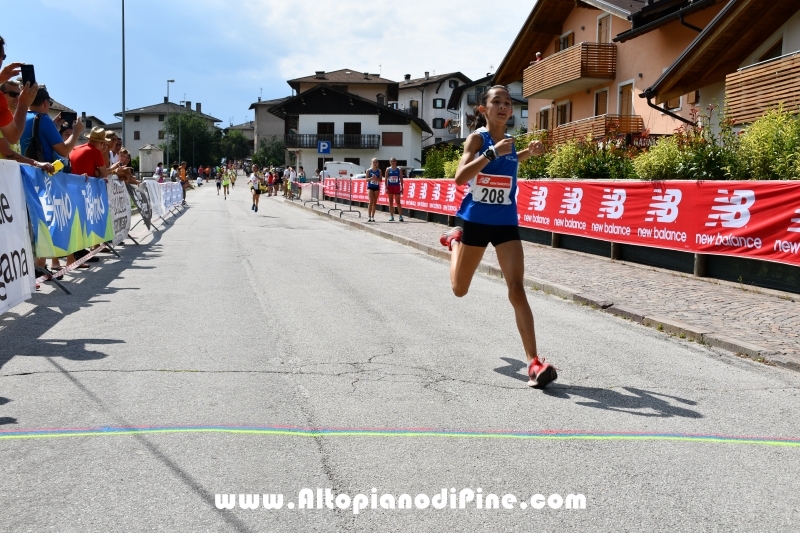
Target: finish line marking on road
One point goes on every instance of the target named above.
(408, 433)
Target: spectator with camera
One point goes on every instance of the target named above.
(12, 124)
(48, 144)
(11, 92)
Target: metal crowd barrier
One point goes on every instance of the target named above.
(349, 182)
(316, 193)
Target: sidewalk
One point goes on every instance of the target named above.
(760, 323)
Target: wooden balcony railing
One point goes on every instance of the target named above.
(597, 127)
(369, 142)
(753, 90)
(575, 69)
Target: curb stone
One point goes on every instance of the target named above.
(669, 326)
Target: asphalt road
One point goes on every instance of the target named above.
(283, 322)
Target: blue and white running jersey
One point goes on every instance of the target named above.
(393, 177)
(492, 197)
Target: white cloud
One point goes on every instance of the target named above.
(397, 38)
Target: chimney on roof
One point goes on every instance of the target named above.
(259, 98)
(320, 75)
(83, 114)
(165, 100)
(198, 109)
(427, 75)
(366, 75)
(188, 105)
(408, 78)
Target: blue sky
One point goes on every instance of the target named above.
(225, 54)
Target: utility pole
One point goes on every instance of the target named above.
(166, 129)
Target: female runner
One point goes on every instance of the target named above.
(489, 212)
(255, 187)
(394, 188)
(226, 183)
(374, 189)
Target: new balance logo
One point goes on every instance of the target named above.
(484, 181)
(572, 201)
(613, 204)
(538, 199)
(664, 207)
(732, 211)
(796, 229)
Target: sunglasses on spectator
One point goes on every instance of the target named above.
(12, 94)
(50, 101)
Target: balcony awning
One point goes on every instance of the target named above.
(735, 33)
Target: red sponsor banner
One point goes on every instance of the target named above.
(434, 196)
(759, 220)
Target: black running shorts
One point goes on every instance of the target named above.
(482, 234)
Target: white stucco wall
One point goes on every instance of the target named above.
(411, 151)
(308, 123)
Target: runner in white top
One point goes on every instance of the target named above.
(255, 189)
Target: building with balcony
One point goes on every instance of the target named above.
(427, 98)
(595, 57)
(357, 129)
(146, 125)
(747, 58)
(362, 84)
(465, 98)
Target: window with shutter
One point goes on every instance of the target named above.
(136, 135)
(438, 123)
(563, 114)
(392, 138)
(626, 99)
(675, 103)
(438, 103)
(544, 119)
(604, 30)
(600, 103)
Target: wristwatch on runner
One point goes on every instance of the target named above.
(490, 153)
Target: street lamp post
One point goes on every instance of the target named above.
(123, 73)
(180, 123)
(166, 126)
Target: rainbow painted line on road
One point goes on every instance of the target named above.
(288, 431)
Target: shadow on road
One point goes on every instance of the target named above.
(636, 402)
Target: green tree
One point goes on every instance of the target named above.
(200, 142)
(271, 152)
(234, 145)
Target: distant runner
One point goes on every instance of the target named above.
(226, 182)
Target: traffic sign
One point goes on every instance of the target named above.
(323, 147)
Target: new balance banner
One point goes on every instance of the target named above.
(156, 201)
(17, 278)
(67, 212)
(759, 220)
(434, 196)
(120, 205)
(142, 201)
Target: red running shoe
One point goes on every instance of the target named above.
(541, 373)
(449, 236)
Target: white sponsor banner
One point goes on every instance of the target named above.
(17, 278)
(156, 198)
(171, 194)
(120, 205)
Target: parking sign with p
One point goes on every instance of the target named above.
(323, 147)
